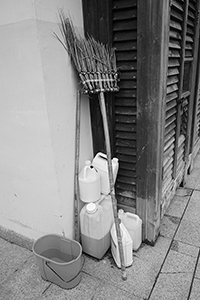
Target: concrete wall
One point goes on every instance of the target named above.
(37, 119)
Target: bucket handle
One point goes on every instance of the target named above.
(47, 263)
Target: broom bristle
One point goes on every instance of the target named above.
(94, 61)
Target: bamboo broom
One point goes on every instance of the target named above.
(95, 64)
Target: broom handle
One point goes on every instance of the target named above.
(111, 179)
(76, 184)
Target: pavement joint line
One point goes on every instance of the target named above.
(187, 244)
(191, 285)
(88, 274)
(43, 292)
(175, 273)
(159, 272)
(198, 190)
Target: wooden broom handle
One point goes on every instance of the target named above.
(76, 183)
(111, 179)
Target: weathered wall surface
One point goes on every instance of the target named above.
(37, 119)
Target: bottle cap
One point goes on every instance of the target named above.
(91, 208)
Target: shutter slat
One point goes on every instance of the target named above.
(123, 25)
(124, 14)
(118, 5)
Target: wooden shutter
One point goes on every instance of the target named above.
(115, 22)
(193, 130)
(173, 82)
(180, 96)
(197, 123)
(125, 42)
(196, 118)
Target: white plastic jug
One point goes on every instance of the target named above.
(126, 245)
(133, 224)
(96, 220)
(89, 183)
(101, 164)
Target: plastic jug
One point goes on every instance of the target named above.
(133, 224)
(101, 164)
(96, 220)
(89, 183)
(126, 245)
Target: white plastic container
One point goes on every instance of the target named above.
(126, 245)
(89, 183)
(133, 224)
(96, 220)
(101, 164)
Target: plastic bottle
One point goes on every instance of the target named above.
(101, 164)
(96, 220)
(89, 183)
(133, 224)
(126, 244)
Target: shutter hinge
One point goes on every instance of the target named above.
(170, 2)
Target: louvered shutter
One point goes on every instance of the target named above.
(196, 129)
(178, 99)
(173, 77)
(197, 123)
(125, 43)
(195, 142)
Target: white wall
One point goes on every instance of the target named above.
(37, 119)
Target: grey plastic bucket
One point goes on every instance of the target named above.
(59, 260)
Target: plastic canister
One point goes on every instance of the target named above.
(101, 164)
(96, 220)
(133, 224)
(89, 183)
(126, 245)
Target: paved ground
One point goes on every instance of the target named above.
(170, 270)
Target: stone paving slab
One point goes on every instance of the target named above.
(85, 290)
(189, 233)
(24, 284)
(110, 292)
(169, 226)
(178, 205)
(197, 274)
(179, 263)
(195, 293)
(90, 288)
(140, 277)
(193, 210)
(12, 258)
(172, 286)
(176, 275)
(184, 248)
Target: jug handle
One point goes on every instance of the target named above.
(102, 155)
(86, 170)
(102, 198)
(136, 217)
